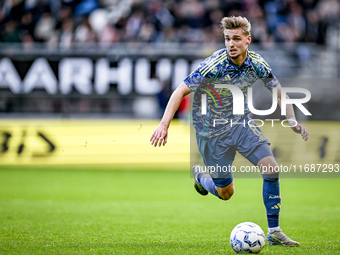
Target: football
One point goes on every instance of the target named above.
(247, 237)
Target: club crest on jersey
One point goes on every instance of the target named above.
(251, 76)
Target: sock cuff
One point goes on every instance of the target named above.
(271, 177)
(271, 230)
(202, 175)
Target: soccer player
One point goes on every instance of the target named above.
(238, 66)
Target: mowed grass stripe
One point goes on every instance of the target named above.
(63, 211)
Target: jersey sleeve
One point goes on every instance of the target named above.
(204, 72)
(270, 82)
(264, 71)
(194, 79)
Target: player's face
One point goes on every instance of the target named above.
(236, 43)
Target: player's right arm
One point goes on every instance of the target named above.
(290, 115)
(160, 134)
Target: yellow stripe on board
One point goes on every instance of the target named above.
(54, 142)
(323, 146)
(117, 143)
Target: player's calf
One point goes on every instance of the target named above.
(203, 181)
(226, 193)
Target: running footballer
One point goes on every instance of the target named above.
(238, 66)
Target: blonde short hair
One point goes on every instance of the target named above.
(236, 22)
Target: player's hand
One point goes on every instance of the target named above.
(300, 129)
(159, 136)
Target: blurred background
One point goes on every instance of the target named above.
(86, 81)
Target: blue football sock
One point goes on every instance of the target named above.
(271, 198)
(207, 183)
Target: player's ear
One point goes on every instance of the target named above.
(248, 39)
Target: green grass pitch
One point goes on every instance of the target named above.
(65, 211)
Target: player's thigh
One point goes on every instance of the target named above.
(218, 156)
(253, 145)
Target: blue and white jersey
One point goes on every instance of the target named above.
(219, 69)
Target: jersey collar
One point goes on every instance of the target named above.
(246, 63)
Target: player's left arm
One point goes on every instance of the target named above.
(290, 115)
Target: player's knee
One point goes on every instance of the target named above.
(226, 194)
(268, 166)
